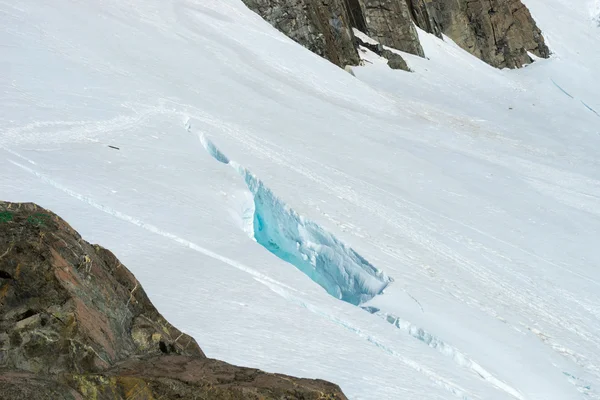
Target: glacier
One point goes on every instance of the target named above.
(477, 190)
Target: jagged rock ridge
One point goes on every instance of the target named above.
(76, 324)
(499, 32)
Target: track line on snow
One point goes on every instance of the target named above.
(151, 228)
(14, 153)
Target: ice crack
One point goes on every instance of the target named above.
(330, 263)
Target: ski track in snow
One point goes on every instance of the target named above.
(150, 227)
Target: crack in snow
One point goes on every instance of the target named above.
(278, 228)
(444, 348)
(333, 265)
(450, 386)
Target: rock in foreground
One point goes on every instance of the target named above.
(76, 324)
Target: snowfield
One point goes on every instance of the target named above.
(425, 235)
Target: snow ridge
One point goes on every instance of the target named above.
(333, 265)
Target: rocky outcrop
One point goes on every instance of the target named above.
(394, 60)
(325, 27)
(389, 22)
(76, 324)
(499, 32)
(425, 16)
(321, 26)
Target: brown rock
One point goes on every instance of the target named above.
(321, 26)
(395, 61)
(389, 22)
(179, 377)
(423, 14)
(76, 324)
(499, 32)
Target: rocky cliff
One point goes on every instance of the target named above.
(499, 32)
(76, 324)
(321, 26)
(389, 22)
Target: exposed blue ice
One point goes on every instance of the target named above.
(340, 270)
(568, 94)
(561, 89)
(582, 386)
(590, 108)
(449, 351)
(213, 151)
(370, 309)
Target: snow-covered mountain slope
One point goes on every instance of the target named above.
(461, 201)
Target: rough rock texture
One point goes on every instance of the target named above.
(395, 61)
(321, 26)
(390, 23)
(425, 16)
(500, 32)
(71, 306)
(76, 324)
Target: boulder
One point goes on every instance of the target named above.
(395, 60)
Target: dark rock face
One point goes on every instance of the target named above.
(425, 16)
(76, 324)
(395, 61)
(71, 306)
(322, 26)
(390, 23)
(499, 32)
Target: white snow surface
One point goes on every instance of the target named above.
(476, 190)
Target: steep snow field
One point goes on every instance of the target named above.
(455, 210)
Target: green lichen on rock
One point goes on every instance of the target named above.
(5, 216)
